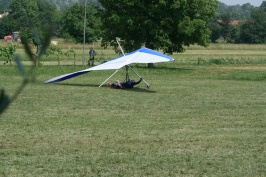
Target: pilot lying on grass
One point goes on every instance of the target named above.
(124, 85)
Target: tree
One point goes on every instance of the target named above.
(6, 26)
(4, 4)
(8, 52)
(157, 24)
(25, 14)
(216, 31)
(226, 26)
(30, 17)
(54, 50)
(263, 6)
(253, 31)
(237, 12)
(72, 23)
(65, 4)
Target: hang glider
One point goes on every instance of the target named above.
(142, 55)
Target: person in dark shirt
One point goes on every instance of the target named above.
(92, 53)
(124, 85)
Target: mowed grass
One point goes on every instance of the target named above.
(197, 119)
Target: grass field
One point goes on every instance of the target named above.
(201, 117)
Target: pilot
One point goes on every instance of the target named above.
(124, 85)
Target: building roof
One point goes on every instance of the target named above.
(233, 22)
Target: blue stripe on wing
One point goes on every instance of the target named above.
(65, 77)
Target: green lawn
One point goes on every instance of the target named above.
(195, 120)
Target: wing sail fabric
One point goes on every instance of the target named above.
(142, 55)
(65, 77)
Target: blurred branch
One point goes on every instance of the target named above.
(6, 100)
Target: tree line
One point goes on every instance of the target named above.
(237, 12)
(60, 4)
(164, 24)
(250, 29)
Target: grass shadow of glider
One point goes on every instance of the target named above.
(135, 89)
(164, 68)
(139, 89)
(78, 85)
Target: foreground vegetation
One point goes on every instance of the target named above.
(197, 119)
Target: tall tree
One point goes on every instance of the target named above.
(237, 12)
(157, 24)
(216, 30)
(4, 4)
(72, 23)
(253, 31)
(26, 14)
(226, 25)
(263, 6)
(22, 14)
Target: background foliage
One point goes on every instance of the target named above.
(60, 4)
(166, 25)
(238, 12)
(72, 24)
(249, 29)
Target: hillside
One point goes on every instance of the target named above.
(61, 4)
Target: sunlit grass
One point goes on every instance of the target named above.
(195, 120)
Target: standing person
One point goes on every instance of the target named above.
(92, 54)
(124, 85)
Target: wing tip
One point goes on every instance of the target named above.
(50, 82)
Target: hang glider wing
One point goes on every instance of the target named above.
(142, 55)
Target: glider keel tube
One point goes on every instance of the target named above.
(66, 76)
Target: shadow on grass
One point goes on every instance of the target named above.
(135, 89)
(139, 89)
(79, 85)
(164, 68)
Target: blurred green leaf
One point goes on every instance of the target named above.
(37, 36)
(4, 101)
(46, 42)
(20, 66)
(28, 51)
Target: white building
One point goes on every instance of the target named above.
(2, 15)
